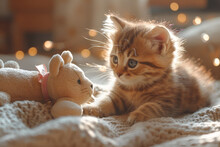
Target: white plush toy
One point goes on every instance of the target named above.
(9, 64)
(65, 84)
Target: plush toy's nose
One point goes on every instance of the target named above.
(91, 86)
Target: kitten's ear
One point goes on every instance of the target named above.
(113, 24)
(160, 33)
(161, 37)
(118, 22)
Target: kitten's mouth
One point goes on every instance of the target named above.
(126, 80)
(129, 81)
(123, 80)
(119, 78)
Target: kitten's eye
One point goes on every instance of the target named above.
(115, 59)
(132, 63)
(79, 81)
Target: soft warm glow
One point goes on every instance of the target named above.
(102, 68)
(48, 45)
(19, 55)
(174, 6)
(197, 20)
(216, 62)
(104, 54)
(92, 33)
(85, 53)
(32, 51)
(205, 37)
(181, 18)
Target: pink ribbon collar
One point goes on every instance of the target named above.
(42, 78)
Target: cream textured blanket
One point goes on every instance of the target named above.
(29, 123)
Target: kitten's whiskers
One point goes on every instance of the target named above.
(93, 40)
(99, 33)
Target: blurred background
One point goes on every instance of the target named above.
(32, 31)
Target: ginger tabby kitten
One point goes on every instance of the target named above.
(151, 79)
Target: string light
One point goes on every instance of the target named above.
(92, 33)
(174, 6)
(197, 20)
(216, 62)
(32, 51)
(205, 37)
(181, 18)
(48, 45)
(85, 53)
(19, 55)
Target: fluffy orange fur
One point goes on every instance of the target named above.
(151, 78)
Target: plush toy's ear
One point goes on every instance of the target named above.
(67, 57)
(1, 64)
(55, 63)
(12, 64)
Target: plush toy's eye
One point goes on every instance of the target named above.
(79, 81)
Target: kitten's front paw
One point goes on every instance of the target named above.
(91, 110)
(131, 119)
(135, 117)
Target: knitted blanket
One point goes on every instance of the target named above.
(29, 123)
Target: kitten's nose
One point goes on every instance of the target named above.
(119, 74)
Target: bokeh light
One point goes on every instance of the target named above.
(19, 55)
(48, 45)
(92, 33)
(32, 51)
(216, 62)
(197, 20)
(104, 54)
(174, 6)
(85, 53)
(182, 18)
(205, 37)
